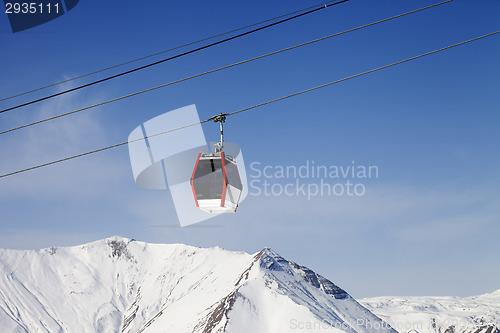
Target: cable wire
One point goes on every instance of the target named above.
(220, 68)
(165, 51)
(170, 58)
(252, 107)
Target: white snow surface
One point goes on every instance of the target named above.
(476, 314)
(122, 285)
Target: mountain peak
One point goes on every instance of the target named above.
(271, 260)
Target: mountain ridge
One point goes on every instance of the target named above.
(439, 314)
(122, 285)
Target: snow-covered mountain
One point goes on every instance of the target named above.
(477, 314)
(121, 285)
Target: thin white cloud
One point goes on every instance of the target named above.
(55, 140)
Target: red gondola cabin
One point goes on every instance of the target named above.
(216, 183)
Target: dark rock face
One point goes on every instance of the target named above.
(487, 329)
(320, 282)
(119, 248)
(274, 262)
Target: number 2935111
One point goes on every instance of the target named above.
(31, 8)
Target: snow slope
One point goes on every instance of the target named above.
(121, 285)
(477, 314)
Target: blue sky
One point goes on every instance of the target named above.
(426, 226)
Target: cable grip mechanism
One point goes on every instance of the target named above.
(220, 118)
